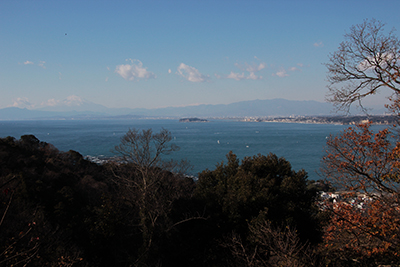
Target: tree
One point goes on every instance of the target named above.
(363, 164)
(368, 60)
(362, 229)
(45, 204)
(144, 149)
(260, 189)
(261, 185)
(365, 167)
(362, 161)
(271, 246)
(149, 185)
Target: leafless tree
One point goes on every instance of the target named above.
(144, 148)
(368, 60)
(150, 183)
(270, 246)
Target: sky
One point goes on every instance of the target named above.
(151, 54)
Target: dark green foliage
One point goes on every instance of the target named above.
(59, 209)
(261, 188)
(45, 197)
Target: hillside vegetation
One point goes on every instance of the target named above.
(59, 209)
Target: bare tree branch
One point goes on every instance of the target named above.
(368, 60)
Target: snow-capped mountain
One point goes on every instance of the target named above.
(71, 103)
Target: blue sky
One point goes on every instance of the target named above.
(149, 54)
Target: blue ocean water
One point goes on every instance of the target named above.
(203, 144)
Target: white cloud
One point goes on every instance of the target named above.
(41, 64)
(282, 73)
(254, 68)
(236, 76)
(191, 74)
(134, 71)
(382, 60)
(250, 68)
(169, 71)
(252, 76)
(22, 102)
(320, 44)
(298, 68)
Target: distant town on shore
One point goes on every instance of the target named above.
(343, 120)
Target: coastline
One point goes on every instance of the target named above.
(336, 120)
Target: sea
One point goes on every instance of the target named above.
(203, 144)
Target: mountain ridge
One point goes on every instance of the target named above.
(250, 108)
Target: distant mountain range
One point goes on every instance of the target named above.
(255, 108)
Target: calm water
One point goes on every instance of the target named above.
(203, 144)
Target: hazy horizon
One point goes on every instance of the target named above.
(75, 100)
(154, 54)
